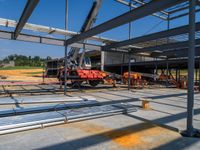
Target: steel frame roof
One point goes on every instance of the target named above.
(149, 44)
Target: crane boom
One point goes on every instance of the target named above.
(88, 23)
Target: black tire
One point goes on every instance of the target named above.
(94, 82)
(75, 83)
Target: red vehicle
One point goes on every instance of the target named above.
(79, 69)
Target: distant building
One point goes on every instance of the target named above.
(10, 64)
(107, 61)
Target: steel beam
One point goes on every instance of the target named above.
(45, 40)
(154, 36)
(140, 12)
(164, 47)
(179, 53)
(177, 10)
(50, 30)
(182, 15)
(134, 6)
(29, 8)
(144, 3)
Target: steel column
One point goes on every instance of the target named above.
(167, 73)
(129, 71)
(199, 73)
(129, 60)
(191, 54)
(168, 26)
(66, 48)
(29, 8)
(196, 72)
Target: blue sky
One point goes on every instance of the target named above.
(51, 13)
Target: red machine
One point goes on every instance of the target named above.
(79, 69)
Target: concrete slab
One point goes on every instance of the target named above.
(132, 131)
(116, 132)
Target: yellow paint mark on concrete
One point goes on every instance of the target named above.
(142, 136)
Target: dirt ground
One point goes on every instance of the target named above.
(24, 75)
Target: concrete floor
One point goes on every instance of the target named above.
(138, 130)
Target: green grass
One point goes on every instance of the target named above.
(19, 67)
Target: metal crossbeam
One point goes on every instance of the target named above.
(135, 14)
(50, 30)
(30, 6)
(164, 47)
(177, 53)
(134, 6)
(144, 3)
(45, 40)
(182, 15)
(154, 36)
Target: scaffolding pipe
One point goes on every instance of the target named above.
(191, 54)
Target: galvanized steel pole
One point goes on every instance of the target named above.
(66, 47)
(199, 73)
(191, 54)
(129, 58)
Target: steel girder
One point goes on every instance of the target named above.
(154, 36)
(165, 47)
(140, 12)
(29, 8)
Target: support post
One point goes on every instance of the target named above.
(196, 72)
(122, 69)
(168, 25)
(199, 74)
(191, 54)
(129, 71)
(167, 73)
(129, 58)
(66, 49)
(156, 69)
(43, 72)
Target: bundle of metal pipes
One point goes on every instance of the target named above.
(24, 122)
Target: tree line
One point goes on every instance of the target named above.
(22, 60)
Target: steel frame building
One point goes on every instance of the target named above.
(172, 43)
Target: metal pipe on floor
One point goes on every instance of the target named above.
(64, 119)
(47, 108)
(191, 54)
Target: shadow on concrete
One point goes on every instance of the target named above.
(100, 138)
(179, 144)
